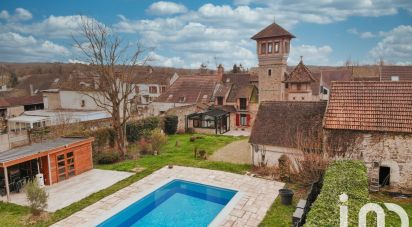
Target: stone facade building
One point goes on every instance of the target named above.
(272, 48)
(372, 121)
(286, 127)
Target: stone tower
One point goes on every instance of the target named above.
(273, 46)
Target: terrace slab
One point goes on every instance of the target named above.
(75, 189)
(256, 195)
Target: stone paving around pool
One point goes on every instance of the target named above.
(255, 196)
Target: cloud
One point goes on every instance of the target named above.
(363, 35)
(166, 61)
(15, 47)
(166, 8)
(395, 46)
(51, 27)
(312, 55)
(20, 14)
(4, 14)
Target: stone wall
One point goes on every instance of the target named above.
(393, 150)
(272, 154)
(4, 142)
(181, 113)
(271, 87)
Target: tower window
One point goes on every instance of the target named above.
(270, 48)
(287, 46)
(269, 72)
(286, 85)
(276, 47)
(299, 86)
(263, 48)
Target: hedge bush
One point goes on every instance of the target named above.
(170, 124)
(135, 130)
(107, 157)
(341, 177)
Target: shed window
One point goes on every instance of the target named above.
(182, 99)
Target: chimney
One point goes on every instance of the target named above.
(31, 90)
(220, 71)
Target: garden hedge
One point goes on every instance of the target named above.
(141, 128)
(170, 123)
(341, 177)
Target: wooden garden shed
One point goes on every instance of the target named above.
(57, 160)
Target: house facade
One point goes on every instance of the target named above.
(371, 121)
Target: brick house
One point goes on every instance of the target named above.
(372, 121)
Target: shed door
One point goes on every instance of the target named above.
(65, 166)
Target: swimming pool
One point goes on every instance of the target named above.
(177, 203)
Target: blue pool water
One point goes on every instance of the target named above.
(178, 203)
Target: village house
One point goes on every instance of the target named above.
(372, 121)
(395, 73)
(185, 91)
(286, 128)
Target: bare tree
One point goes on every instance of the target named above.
(112, 63)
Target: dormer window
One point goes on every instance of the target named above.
(263, 48)
(220, 100)
(182, 99)
(276, 47)
(394, 78)
(270, 48)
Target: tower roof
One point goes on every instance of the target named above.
(300, 74)
(273, 30)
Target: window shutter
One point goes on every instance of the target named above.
(248, 119)
(237, 119)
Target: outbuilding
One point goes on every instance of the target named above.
(56, 160)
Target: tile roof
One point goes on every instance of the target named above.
(242, 85)
(404, 72)
(273, 30)
(193, 89)
(285, 123)
(162, 78)
(300, 74)
(20, 101)
(370, 106)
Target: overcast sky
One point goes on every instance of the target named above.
(187, 33)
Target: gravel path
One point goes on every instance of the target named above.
(236, 152)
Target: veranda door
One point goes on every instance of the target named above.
(65, 166)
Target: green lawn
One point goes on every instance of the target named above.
(391, 218)
(14, 215)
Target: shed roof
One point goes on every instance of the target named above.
(36, 149)
(288, 123)
(370, 106)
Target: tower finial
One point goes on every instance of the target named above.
(301, 58)
(274, 19)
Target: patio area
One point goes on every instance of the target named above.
(255, 196)
(74, 189)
